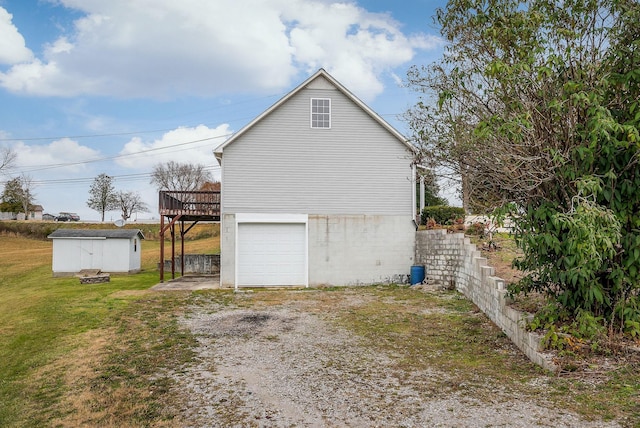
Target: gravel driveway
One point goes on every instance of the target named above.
(289, 364)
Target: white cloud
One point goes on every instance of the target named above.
(61, 164)
(37, 78)
(12, 45)
(60, 46)
(164, 48)
(185, 145)
(65, 152)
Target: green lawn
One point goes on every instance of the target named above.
(95, 355)
(42, 319)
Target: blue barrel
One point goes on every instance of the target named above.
(417, 274)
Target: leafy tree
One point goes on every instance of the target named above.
(129, 203)
(431, 189)
(18, 196)
(179, 176)
(102, 195)
(536, 104)
(12, 196)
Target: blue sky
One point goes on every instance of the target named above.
(93, 86)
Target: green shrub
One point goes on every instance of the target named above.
(442, 214)
(27, 229)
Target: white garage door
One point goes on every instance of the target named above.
(272, 254)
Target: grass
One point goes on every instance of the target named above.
(44, 321)
(101, 355)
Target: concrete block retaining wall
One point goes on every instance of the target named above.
(451, 260)
(207, 264)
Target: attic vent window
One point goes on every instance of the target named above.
(321, 113)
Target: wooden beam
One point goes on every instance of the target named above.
(161, 248)
(182, 232)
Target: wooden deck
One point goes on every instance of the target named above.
(180, 207)
(190, 206)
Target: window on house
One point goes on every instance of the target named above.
(321, 113)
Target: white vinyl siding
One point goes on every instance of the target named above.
(281, 165)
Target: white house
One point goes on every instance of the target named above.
(34, 214)
(112, 251)
(316, 190)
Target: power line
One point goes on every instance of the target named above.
(85, 180)
(53, 166)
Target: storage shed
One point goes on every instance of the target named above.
(112, 251)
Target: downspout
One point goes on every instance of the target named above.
(421, 195)
(413, 196)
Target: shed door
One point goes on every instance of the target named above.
(272, 254)
(90, 254)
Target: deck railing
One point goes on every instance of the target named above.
(193, 203)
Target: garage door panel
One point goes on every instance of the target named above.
(271, 254)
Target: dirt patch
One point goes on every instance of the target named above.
(77, 368)
(281, 359)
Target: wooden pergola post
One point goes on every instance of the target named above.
(161, 248)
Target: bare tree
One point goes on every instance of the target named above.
(130, 202)
(7, 157)
(102, 195)
(27, 194)
(179, 176)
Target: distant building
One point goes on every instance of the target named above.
(34, 214)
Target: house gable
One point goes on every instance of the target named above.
(320, 80)
(280, 163)
(320, 83)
